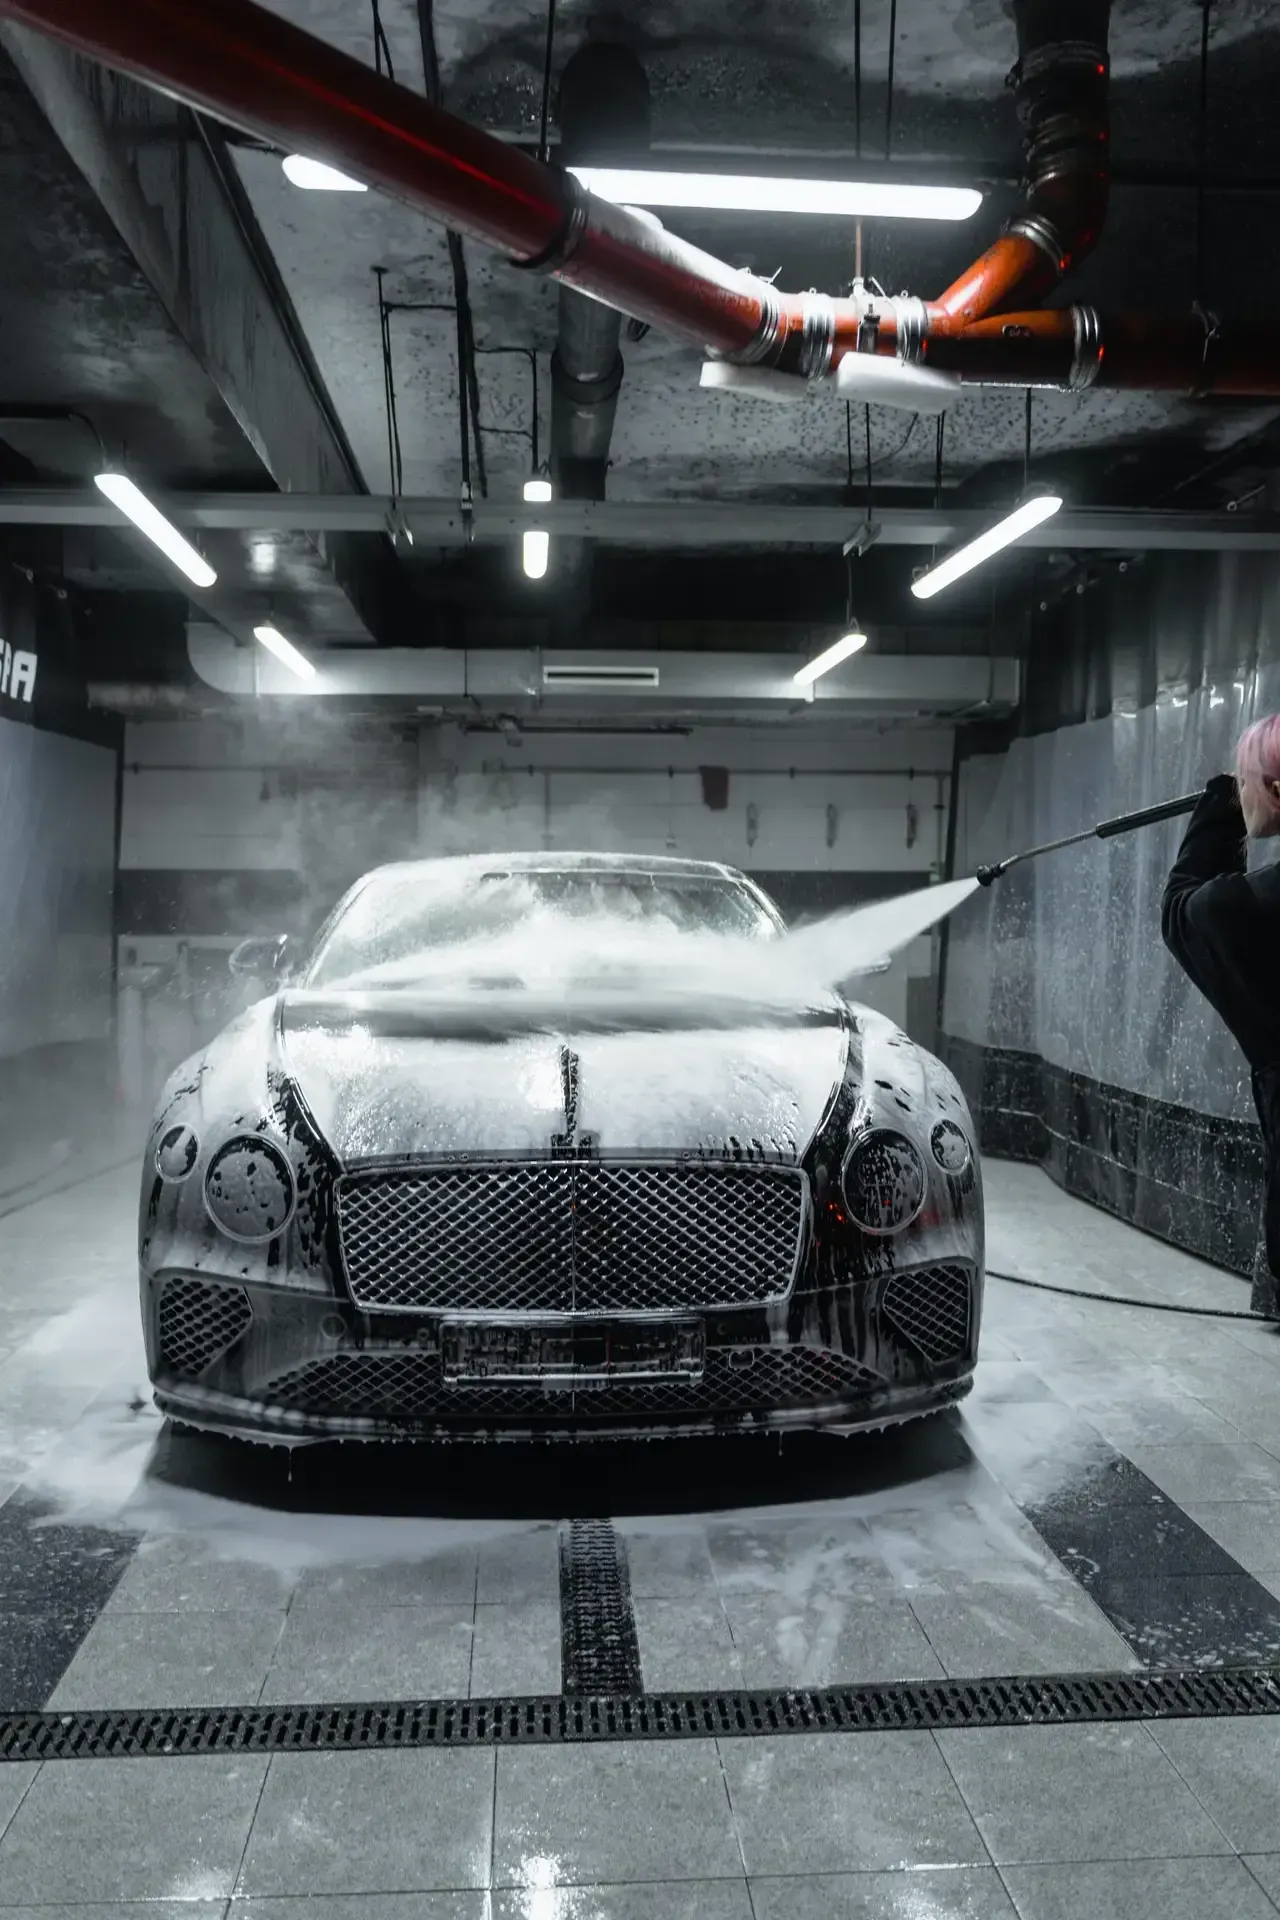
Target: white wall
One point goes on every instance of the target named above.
(643, 792)
(229, 811)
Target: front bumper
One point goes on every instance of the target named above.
(271, 1363)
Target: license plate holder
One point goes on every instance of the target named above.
(570, 1357)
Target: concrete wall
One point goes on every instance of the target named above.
(57, 847)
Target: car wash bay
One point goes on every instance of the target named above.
(709, 1677)
(498, 568)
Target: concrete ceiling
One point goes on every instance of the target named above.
(85, 328)
(752, 78)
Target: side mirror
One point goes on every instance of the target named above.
(263, 958)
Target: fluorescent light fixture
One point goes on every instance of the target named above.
(133, 503)
(749, 193)
(315, 177)
(535, 547)
(852, 642)
(1030, 514)
(284, 650)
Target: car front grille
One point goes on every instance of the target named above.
(930, 1309)
(410, 1386)
(536, 1237)
(199, 1321)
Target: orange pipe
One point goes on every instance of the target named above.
(1157, 353)
(247, 66)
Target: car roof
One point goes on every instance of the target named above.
(647, 864)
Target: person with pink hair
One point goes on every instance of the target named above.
(1222, 925)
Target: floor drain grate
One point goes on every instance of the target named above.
(598, 1648)
(1057, 1700)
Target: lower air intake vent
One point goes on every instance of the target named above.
(930, 1310)
(199, 1321)
(410, 1386)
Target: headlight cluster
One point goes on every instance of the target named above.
(177, 1153)
(249, 1189)
(885, 1178)
(884, 1181)
(950, 1147)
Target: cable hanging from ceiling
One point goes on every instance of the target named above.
(1202, 156)
(544, 129)
(381, 45)
(529, 433)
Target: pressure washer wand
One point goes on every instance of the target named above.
(1105, 830)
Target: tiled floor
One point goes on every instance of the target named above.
(1110, 1496)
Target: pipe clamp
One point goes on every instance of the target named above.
(1086, 361)
(817, 335)
(912, 320)
(565, 243)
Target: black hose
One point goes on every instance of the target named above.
(1128, 1300)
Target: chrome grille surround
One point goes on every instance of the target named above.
(198, 1321)
(405, 1385)
(930, 1308)
(528, 1238)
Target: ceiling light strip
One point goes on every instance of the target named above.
(1032, 513)
(148, 519)
(750, 193)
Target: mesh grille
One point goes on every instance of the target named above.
(930, 1308)
(564, 1237)
(410, 1386)
(1047, 1700)
(198, 1322)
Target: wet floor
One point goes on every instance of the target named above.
(1107, 1501)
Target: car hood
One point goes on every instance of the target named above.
(399, 1075)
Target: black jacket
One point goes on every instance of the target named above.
(1222, 925)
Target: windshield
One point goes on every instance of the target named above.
(406, 927)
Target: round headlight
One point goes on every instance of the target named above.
(884, 1181)
(249, 1188)
(950, 1147)
(177, 1153)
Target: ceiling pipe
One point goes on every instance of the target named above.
(604, 112)
(1061, 83)
(258, 72)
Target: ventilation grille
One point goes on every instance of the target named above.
(198, 1322)
(930, 1309)
(549, 1236)
(571, 679)
(408, 1386)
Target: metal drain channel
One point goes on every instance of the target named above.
(599, 1651)
(1056, 1700)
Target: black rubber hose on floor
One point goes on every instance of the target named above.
(1127, 1300)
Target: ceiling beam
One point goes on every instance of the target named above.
(664, 523)
(169, 187)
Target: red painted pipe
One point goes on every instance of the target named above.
(246, 66)
(1153, 352)
(250, 68)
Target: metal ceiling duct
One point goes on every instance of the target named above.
(604, 114)
(257, 71)
(624, 685)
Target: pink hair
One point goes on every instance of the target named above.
(1258, 761)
